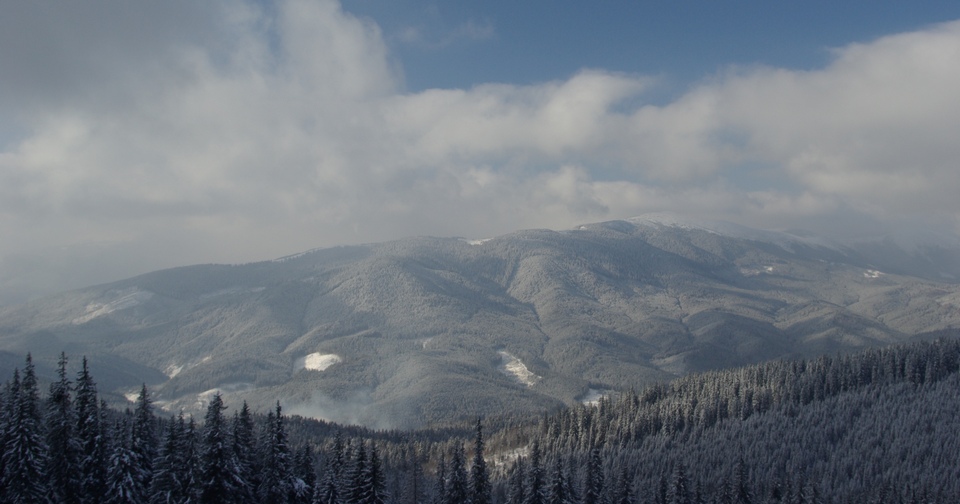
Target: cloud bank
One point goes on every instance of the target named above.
(233, 132)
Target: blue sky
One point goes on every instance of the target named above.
(156, 134)
(465, 43)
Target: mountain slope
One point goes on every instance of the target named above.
(430, 329)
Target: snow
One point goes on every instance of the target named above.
(476, 242)
(592, 397)
(778, 238)
(317, 361)
(872, 274)
(121, 300)
(511, 366)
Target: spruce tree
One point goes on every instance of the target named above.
(123, 473)
(680, 493)
(90, 438)
(440, 482)
(275, 477)
(593, 485)
(63, 469)
(328, 491)
(375, 479)
(535, 492)
(165, 485)
(558, 492)
(143, 437)
(25, 449)
(357, 490)
(457, 480)
(517, 482)
(245, 454)
(480, 490)
(219, 474)
(305, 478)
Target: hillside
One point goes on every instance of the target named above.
(399, 334)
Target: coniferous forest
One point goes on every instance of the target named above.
(874, 427)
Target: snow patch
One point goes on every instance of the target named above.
(511, 366)
(476, 242)
(317, 361)
(172, 370)
(872, 274)
(761, 270)
(132, 396)
(121, 300)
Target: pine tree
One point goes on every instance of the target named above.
(357, 491)
(535, 491)
(328, 492)
(559, 487)
(219, 474)
(305, 478)
(623, 493)
(245, 454)
(517, 491)
(90, 438)
(457, 480)
(593, 486)
(25, 449)
(122, 484)
(480, 490)
(743, 494)
(165, 485)
(275, 477)
(63, 468)
(440, 482)
(143, 438)
(375, 480)
(189, 474)
(680, 493)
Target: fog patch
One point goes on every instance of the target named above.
(357, 409)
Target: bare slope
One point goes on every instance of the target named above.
(429, 329)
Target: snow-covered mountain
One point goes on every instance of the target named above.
(429, 329)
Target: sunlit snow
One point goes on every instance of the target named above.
(317, 361)
(511, 366)
(872, 273)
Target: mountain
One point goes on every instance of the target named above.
(427, 330)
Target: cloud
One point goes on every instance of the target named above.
(253, 131)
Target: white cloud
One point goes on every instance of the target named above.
(259, 133)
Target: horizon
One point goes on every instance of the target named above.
(166, 135)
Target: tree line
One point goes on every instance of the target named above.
(877, 426)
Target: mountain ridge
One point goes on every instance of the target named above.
(411, 328)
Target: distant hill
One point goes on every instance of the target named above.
(427, 330)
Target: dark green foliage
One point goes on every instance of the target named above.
(860, 429)
(63, 469)
(480, 491)
(220, 480)
(25, 449)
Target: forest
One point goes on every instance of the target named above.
(871, 427)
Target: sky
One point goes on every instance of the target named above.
(141, 135)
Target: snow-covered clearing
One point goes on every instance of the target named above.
(511, 366)
(592, 397)
(317, 361)
(126, 298)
